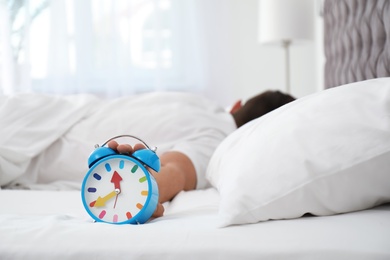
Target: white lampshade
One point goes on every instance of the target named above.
(286, 20)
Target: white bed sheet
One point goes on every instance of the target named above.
(54, 225)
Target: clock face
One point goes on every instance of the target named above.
(116, 189)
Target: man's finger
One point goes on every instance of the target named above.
(125, 148)
(113, 144)
(159, 211)
(139, 147)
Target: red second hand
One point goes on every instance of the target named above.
(116, 200)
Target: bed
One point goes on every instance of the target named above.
(309, 180)
(52, 225)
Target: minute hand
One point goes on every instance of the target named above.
(101, 202)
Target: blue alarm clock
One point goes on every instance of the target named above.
(118, 188)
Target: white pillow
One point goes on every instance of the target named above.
(324, 154)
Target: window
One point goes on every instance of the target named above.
(104, 47)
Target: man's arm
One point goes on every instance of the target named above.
(177, 173)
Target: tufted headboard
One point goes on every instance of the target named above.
(357, 40)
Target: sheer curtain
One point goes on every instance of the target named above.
(109, 48)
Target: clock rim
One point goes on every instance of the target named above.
(151, 201)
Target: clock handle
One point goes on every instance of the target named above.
(147, 156)
(132, 136)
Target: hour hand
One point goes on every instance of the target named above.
(101, 201)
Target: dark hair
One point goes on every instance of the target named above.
(260, 105)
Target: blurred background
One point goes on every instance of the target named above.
(124, 47)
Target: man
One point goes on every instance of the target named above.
(46, 140)
(178, 172)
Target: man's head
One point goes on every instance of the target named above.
(259, 106)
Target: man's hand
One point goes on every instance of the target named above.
(128, 149)
(125, 148)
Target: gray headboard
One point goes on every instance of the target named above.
(357, 40)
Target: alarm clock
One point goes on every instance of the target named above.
(118, 188)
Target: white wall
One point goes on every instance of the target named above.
(249, 67)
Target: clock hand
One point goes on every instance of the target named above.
(116, 179)
(101, 202)
(116, 199)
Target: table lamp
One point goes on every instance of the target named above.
(285, 22)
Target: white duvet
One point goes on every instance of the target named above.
(30, 123)
(47, 139)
